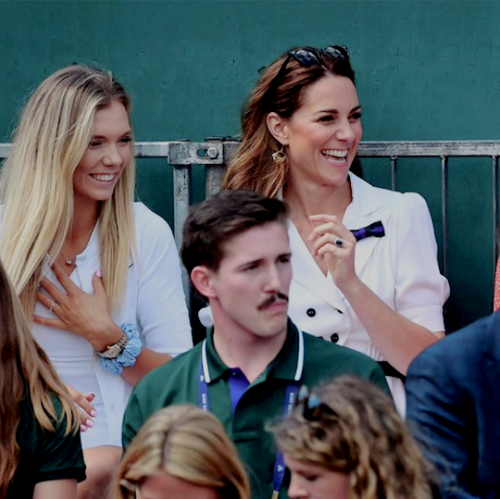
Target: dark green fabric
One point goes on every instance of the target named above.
(262, 402)
(45, 455)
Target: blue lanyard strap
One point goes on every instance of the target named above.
(203, 398)
(279, 463)
(289, 402)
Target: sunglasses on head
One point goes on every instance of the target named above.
(313, 408)
(308, 57)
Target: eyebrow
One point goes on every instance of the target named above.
(260, 260)
(252, 262)
(335, 111)
(128, 132)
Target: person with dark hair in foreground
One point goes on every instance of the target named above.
(250, 367)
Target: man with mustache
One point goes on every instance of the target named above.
(250, 367)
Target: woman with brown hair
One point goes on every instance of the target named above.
(40, 450)
(365, 272)
(345, 440)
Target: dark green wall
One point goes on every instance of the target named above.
(425, 70)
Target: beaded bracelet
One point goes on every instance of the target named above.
(130, 353)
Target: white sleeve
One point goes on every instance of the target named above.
(420, 290)
(162, 313)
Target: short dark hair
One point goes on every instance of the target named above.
(219, 218)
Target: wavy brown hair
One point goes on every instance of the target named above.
(252, 167)
(186, 442)
(363, 437)
(25, 373)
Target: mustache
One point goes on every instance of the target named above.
(272, 299)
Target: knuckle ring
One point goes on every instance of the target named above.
(338, 242)
(54, 303)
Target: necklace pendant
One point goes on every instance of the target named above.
(69, 262)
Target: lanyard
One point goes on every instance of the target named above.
(203, 398)
(289, 403)
(279, 463)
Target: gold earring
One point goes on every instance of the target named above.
(279, 157)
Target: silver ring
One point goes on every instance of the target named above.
(54, 303)
(338, 242)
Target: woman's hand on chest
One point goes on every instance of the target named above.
(78, 312)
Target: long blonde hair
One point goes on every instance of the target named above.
(188, 443)
(25, 373)
(36, 182)
(358, 433)
(252, 167)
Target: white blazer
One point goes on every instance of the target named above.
(401, 268)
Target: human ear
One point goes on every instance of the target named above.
(277, 127)
(201, 277)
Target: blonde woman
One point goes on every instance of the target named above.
(98, 273)
(182, 452)
(345, 440)
(40, 450)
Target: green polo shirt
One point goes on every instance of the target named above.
(261, 403)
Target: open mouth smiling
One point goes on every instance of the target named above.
(104, 177)
(335, 154)
(338, 157)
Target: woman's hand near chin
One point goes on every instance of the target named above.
(78, 312)
(399, 339)
(334, 243)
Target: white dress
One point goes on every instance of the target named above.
(154, 301)
(400, 268)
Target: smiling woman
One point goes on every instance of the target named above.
(323, 134)
(98, 274)
(381, 295)
(103, 163)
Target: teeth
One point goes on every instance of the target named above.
(104, 177)
(335, 153)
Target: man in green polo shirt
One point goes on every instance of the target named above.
(249, 369)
